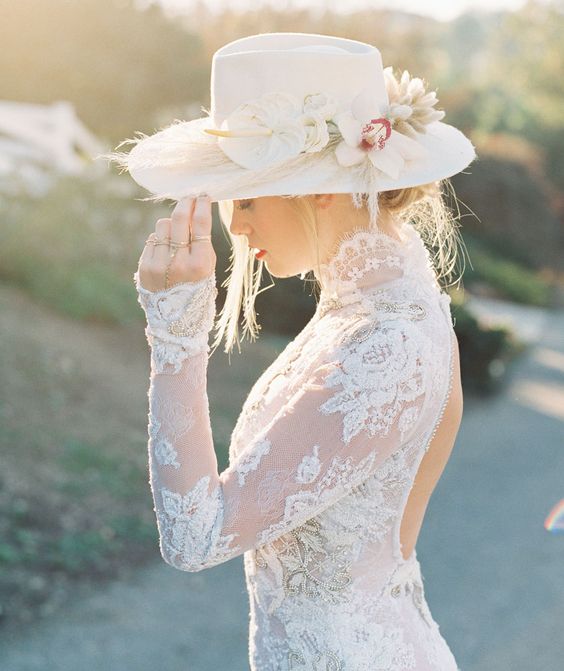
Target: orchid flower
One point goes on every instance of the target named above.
(368, 134)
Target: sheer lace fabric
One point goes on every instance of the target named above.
(322, 460)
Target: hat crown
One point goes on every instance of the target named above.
(299, 64)
(301, 113)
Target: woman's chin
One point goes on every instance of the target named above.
(274, 272)
(280, 273)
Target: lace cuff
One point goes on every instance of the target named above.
(179, 320)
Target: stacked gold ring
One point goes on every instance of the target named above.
(174, 246)
(153, 240)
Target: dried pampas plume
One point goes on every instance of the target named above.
(187, 152)
(410, 106)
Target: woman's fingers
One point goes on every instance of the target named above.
(163, 265)
(153, 257)
(180, 220)
(161, 252)
(202, 219)
(202, 253)
(192, 217)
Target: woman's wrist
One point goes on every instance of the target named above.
(179, 318)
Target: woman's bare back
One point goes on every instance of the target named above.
(433, 463)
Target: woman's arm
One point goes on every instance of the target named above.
(352, 414)
(359, 405)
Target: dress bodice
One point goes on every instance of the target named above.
(380, 309)
(321, 460)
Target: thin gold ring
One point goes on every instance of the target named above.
(154, 240)
(174, 247)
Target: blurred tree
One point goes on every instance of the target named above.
(130, 66)
(512, 206)
(511, 80)
(531, 46)
(115, 62)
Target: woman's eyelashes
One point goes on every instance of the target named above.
(244, 204)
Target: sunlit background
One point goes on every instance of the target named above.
(441, 10)
(79, 557)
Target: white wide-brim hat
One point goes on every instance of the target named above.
(297, 114)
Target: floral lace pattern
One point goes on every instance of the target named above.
(178, 320)
(318, 661)
(309, 467)
(250, 462)
(190, 525)
(378, 379)
(322, 458)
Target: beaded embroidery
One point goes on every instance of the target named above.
(321, 459)
(320, 661)
(178, 320)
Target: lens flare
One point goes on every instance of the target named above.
(554, 521)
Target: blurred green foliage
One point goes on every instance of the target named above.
(512, 212)
(485, 352)
(508, 279)
(77, 248)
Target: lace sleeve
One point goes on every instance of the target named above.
(356, 409)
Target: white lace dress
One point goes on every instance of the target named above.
(322, 460)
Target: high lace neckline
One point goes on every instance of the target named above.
(364, 260)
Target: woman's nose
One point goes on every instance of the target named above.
(238, 227)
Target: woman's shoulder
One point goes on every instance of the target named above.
(373, 349)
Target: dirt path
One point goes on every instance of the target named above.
(485, 555)
(157, 619)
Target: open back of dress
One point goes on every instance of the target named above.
(333, 459)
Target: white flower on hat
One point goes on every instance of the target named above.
(266, 131)
(368, 135)
(410, 105)
(317, 133)
(270, 130)
(322, 104)
(317, 110)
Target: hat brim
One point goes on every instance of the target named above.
(184, 161)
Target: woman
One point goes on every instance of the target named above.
(341, 441)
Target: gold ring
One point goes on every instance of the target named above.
(154, 240)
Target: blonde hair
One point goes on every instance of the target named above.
(424, 206)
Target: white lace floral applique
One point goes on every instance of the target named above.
(324, 660)
(178, 320)
(165, 454)
(190, 525)
(309, 467)
(168, 422)
(250, 462)
(378, 377)
(337, 480)
(312, 571)
(314, 492)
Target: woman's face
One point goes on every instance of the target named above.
(271, 223)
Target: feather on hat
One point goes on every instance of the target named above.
(297, 114)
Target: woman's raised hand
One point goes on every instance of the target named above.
(172, 259)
